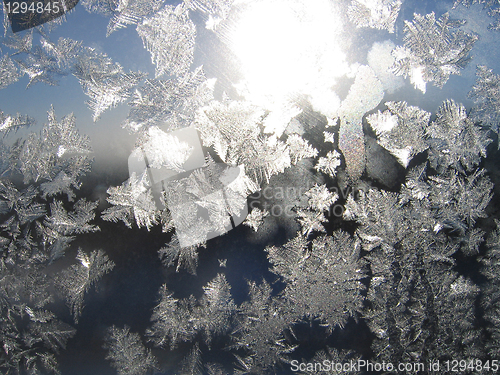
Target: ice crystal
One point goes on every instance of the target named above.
(31, 349)
(433, 50)
(10, 123)
(217, 10)
(103, 81)
(58, 148)
(132, 202)
(311, 221)
(260, 331)
(172, 102)
(185, 257)
(164, 150)
(377, 14)
(460, 199)
(232, 129)
(19, 43)
(490, 299)
(192, 363)
(486, 96)
(105, 7)
(255, 218)
(204, 202)
(62, 225)
(329, 163)
(169, 35)
(132, 12)
(8, 72)
(299, 148)
(175, 321)
(320, 198)
(127, 352)
(34, 232)
(405, 299)
(40, 67)
(455, 140)
(324, 282)
(65, 51)
(401, 130)
(76, 281)
(411, 259)
(329, 137)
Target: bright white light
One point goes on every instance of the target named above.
(289, 47)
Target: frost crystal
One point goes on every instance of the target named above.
(401, 130)
(209, 202)
(65, 51)
(104, 81)
(217, 10)
(325, 282)
(490, 299)
(192, 363)
(19, 43)
(40, 67)
(232, 129)
(172, 102)
(131, 12)
(132, 202)
(260, 331)
(105, 7)
(299, 148)
(329, 163)
(8, 72)
(311, 221)
(186, 256)
(175, 321)
(491, 5)
(377, 14)
(127, 352)
(164, 150)
(58, 148)
(34, 232)
(255, 218)
(486, 96)
(320, 198)
(432, 50)
(10, 123)
(169, 36)
(455, 140)
(75, 281)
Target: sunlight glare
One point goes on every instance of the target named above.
(288, 48)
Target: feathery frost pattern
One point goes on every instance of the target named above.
(401, 130)
(433, 50)
(127, 352)
(392, 265)
(486, 96)
(36, 229)
(380, 14)
(76, 280)
(324, 282)
(169, 35)
(103, 81)
(8, 72)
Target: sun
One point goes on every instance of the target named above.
(287, 48)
